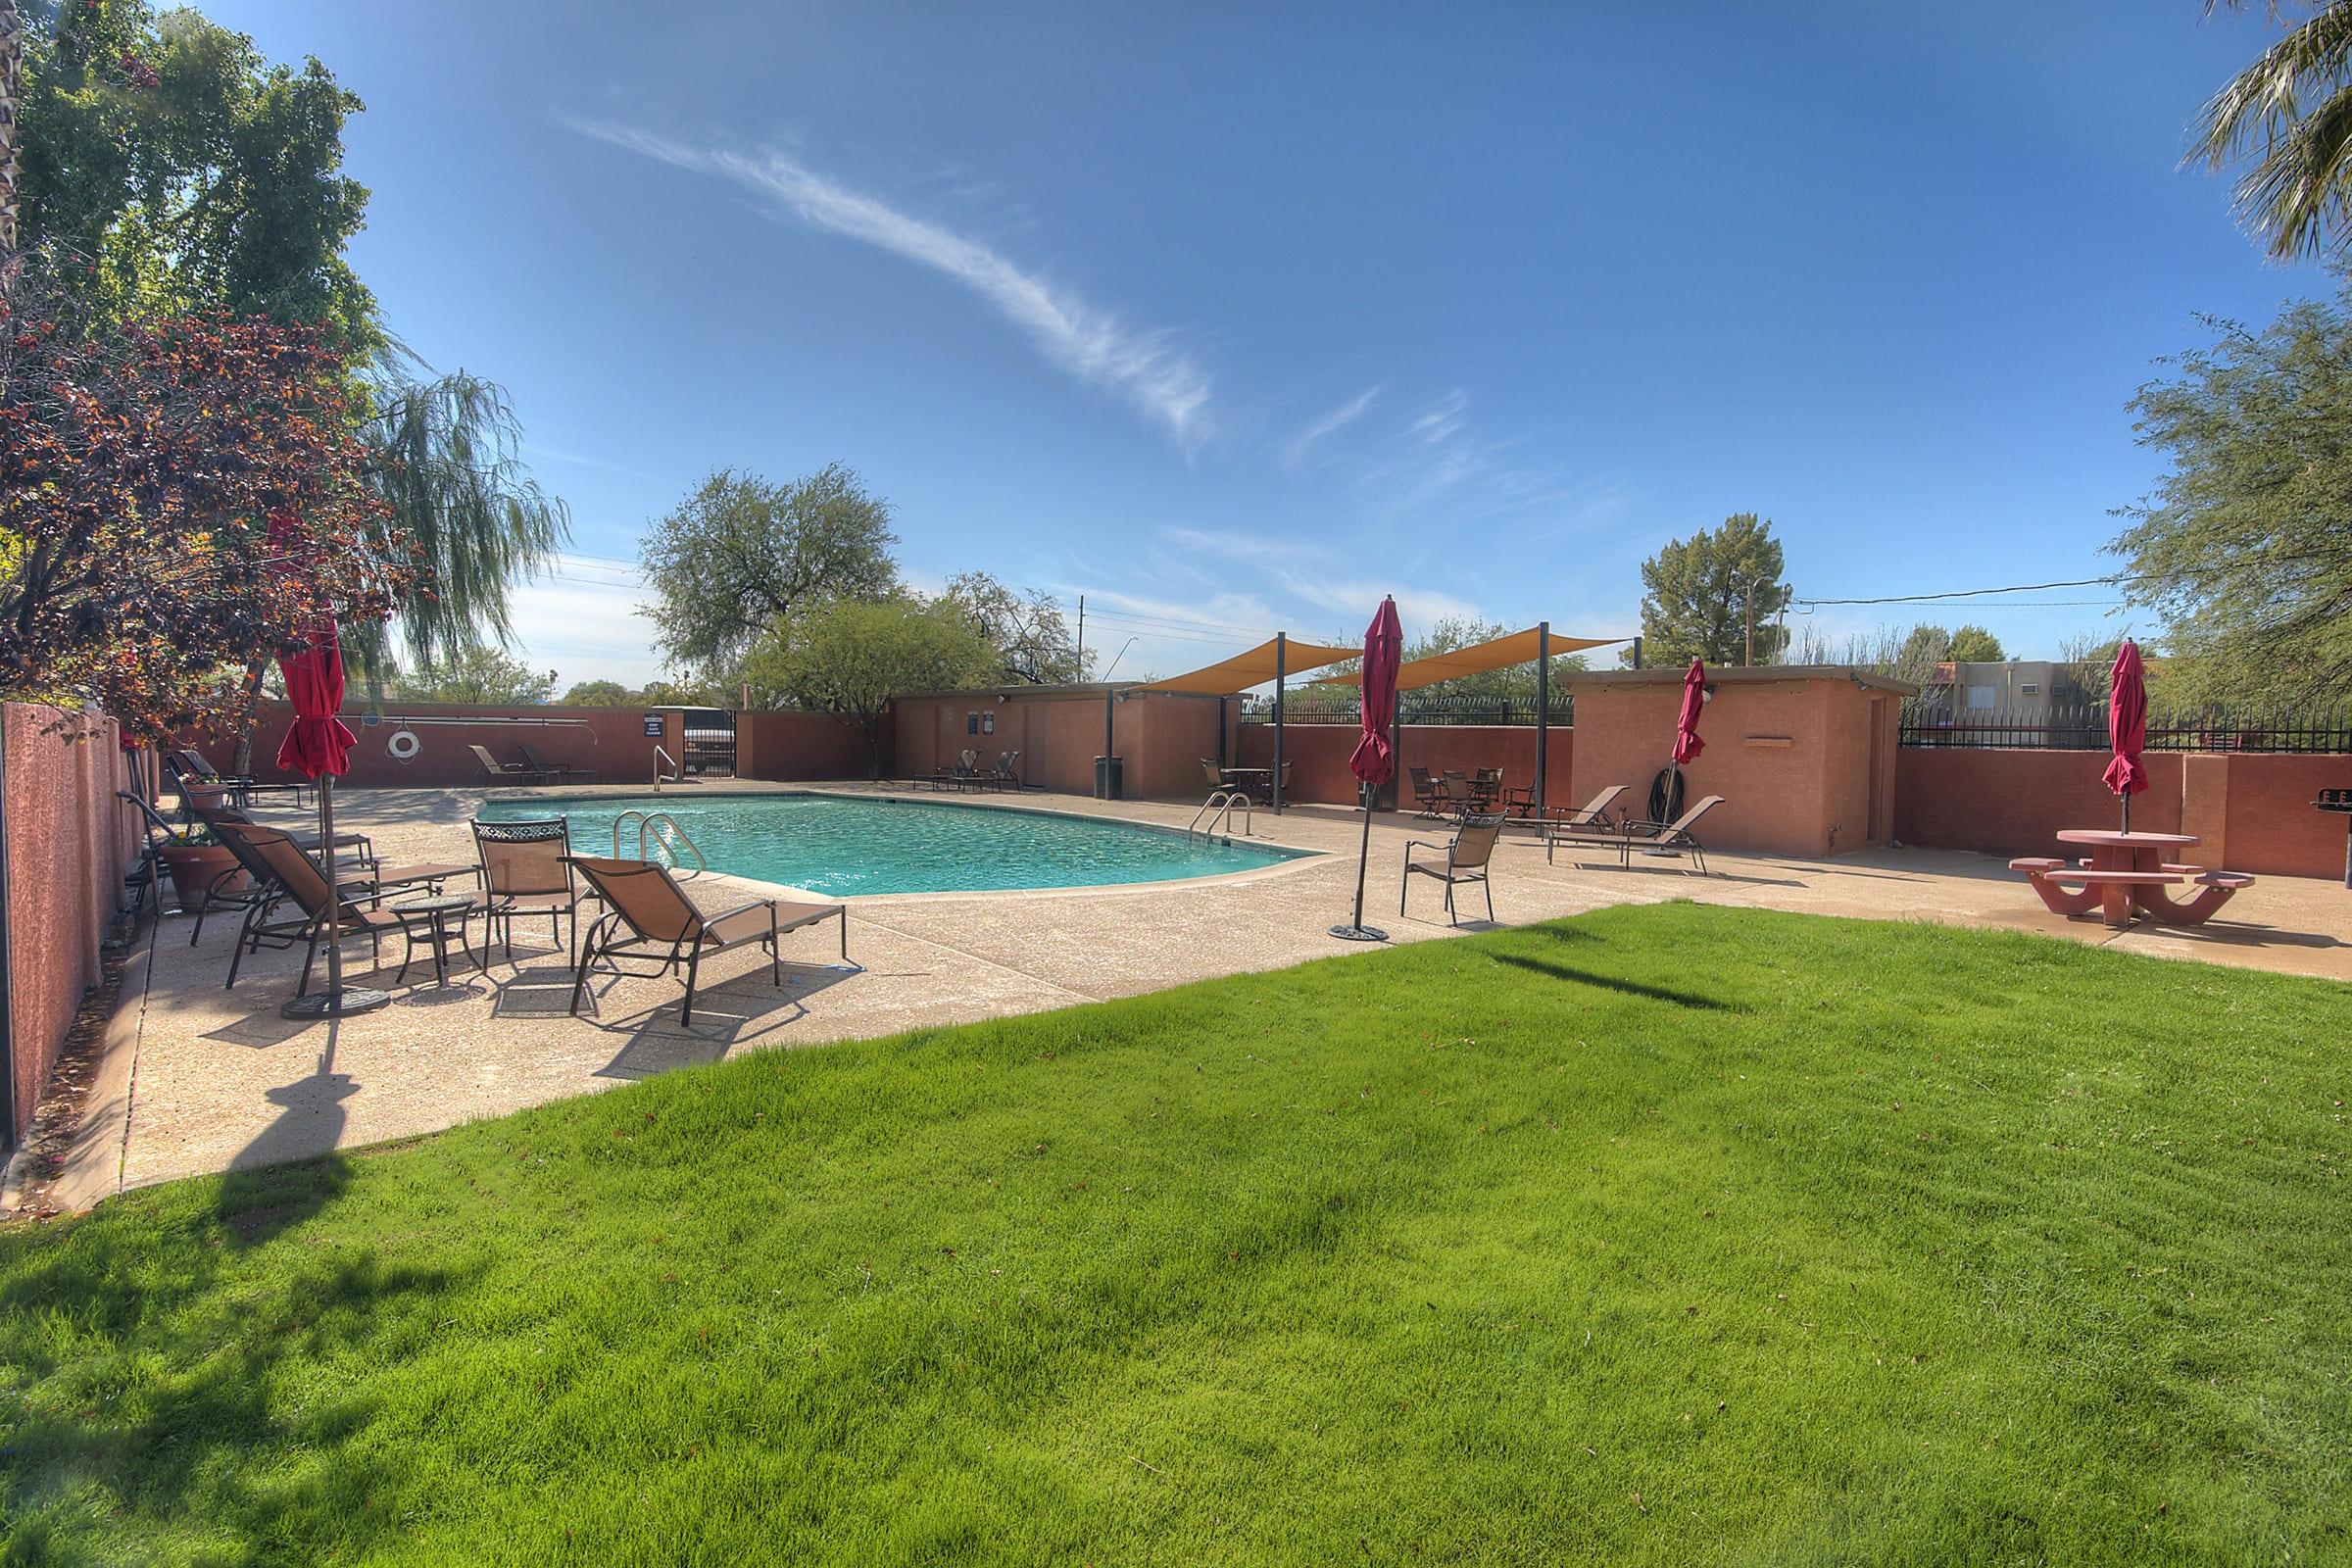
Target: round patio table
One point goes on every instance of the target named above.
(2134, 855)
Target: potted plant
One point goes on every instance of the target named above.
(195, 858)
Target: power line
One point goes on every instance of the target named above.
(1975, 592)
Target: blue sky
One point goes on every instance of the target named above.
(1236, 317)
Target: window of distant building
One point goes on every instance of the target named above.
(1979, 697)
(2031, 688)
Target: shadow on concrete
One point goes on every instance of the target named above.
(2219, 933)
(728, 1013)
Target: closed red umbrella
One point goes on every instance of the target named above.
(1374, 761)
(1686, 744)
(2126, 726)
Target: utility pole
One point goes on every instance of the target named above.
(1748, 652)
(1081, 609)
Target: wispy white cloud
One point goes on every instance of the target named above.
(1338, 419)
(1147, 367)
(1443, 422)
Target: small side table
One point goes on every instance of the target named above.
(425, 922)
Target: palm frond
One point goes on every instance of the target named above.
(2290, 113)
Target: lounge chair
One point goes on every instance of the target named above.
(1588, 823)
(964, 775)
(559, 772)
(527, 869)
(147, 873)
(218, 890)
(1006, 773)
(190, 772)
(516, 772)
(1670, 838)
(1468, 857)
(651, 919)
(284, 874)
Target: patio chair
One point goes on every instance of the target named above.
(1468, 854)
(1485, 788)
(527, 869)
(285, 874)
(147, 873)
(964, 775)
(1006, 773)
(492, 769)
(1667, 838)
(1212, 773)
(1431, 797)
(651, 919)
(191, 772)
(558, 772)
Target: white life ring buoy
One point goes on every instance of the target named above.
(404, 745)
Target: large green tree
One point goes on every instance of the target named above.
(2286, 122)
(2244, 547)
(1697, 594)
(741, 553)
(849, 657)
(194, 175)
(1930, 644)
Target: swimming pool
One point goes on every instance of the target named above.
(840, 845)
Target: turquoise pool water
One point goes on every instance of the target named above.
(840, 846)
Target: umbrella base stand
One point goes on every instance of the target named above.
(1359, 933)
(344, 1003)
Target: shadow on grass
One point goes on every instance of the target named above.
(1630, 988)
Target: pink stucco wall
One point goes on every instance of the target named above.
(67, 847)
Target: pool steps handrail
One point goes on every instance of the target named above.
(657, 830)
(677, 774)
(1218, 808)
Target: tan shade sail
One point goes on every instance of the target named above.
(1519, 647)
(1254, 668)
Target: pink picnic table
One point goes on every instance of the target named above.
(2127, 872)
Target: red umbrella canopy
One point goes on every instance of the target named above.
(317, 742)
(1375, 758)
(2127, 721)
(1686, 744)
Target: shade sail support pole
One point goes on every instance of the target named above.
(1282, 660)
(1542, 709)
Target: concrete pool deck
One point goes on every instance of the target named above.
(196, 1078)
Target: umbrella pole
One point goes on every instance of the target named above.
(1356, 930)
(335, 1001)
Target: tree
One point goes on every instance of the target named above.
(2088, 664)
(194, 177)
(1028, 628)
(481, 675)
(602, 694)
(177, 501)
(2289, 119)
(849, 657)
(741, 553)
(1697, 593)
(1929, 645)
(2243, 546)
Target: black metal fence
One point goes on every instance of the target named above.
(709, 744)
(1418, 708)
(2082, 727)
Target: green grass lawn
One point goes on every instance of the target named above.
(1667, 1235)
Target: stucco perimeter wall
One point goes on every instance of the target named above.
(807, 746)
(2251, 812)
(610, 741)
(1318, 755)
(67, 847)
(1806, 763)
(1059, 732)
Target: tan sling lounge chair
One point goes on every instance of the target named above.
(652, 918)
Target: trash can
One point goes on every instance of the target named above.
(1110, 778)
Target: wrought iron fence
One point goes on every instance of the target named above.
(1417, 709)
(2082, 727)
(709, 743)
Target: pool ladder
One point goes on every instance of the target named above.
(657, 830)
(1217, 812)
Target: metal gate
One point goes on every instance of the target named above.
(709, 744)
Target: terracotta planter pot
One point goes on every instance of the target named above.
(193, 866)
(208, 795)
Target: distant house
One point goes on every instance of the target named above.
(2018, 690)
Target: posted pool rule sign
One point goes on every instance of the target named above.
(652, 726)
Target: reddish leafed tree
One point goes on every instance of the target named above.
(177, 498)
